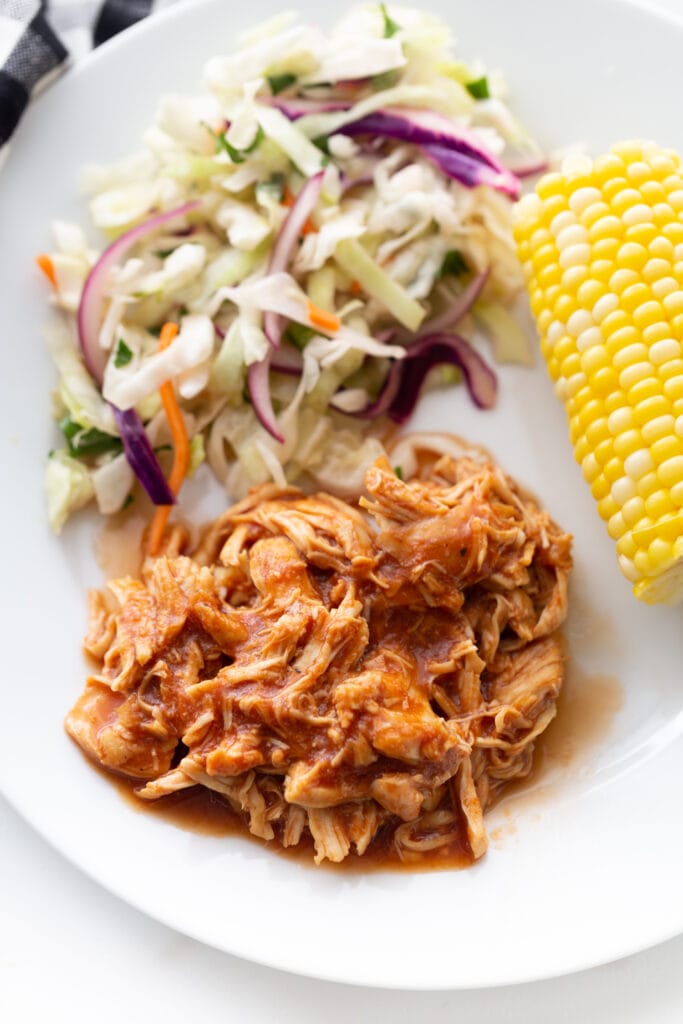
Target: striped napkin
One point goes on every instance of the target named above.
(38, 38)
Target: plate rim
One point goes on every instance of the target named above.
(180, 10)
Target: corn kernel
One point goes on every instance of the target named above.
(662, 248)
(605, 225)
(631, 256)
(657, 427)
(601, 270)
(647, 485)
(648, 387)
(642, 234)
(564, 307)
(590, 338)
(553, 206)
(604, 451)
(545, 256)
(633, 510)
(655, 270)
(573, 277)
(660, 553)
(590, 468)
(648, 314)
(673, 388)
(658, 504)
(620, 420)
(622, 279)
(625, 340)
(606, 305)
(634, 296)
(548, 276)
(583, 199)
(623, 489)
(596, 431)
(664, 350)
(615, 400)
(666, 448)
(605, 381)
(550, 185)
(616, 527)
(600, 487)
(602, 247)
(673, 303)
(671, 471)
(627, 443)
(638, 465)
(607, 507)
(651, 408)
(605, 249)
(607, 167)
(632, 369)
(572, 234)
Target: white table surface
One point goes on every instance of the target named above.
(71, 951)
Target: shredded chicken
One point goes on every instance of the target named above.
(343, 672)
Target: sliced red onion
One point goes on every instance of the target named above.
(457, 151)
(141, 456)
(347, 183)
(382, 404)
(403, 383)
(259, 392)
(285, 244)
(435, 350)
(453, 315)
(531, 168)
(95, 288)
(454, 148)
(295, 107)
(287, 359)
(470, 171)
(139, 452)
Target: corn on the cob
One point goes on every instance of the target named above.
(602, 248)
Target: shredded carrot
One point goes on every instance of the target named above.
(288, 200)
(48, 268)
(322, 319)
(355, 288)
(181, 446)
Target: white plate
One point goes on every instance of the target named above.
(584, 869)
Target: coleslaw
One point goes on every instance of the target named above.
(326, 223)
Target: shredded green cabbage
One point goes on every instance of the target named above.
(347, 287)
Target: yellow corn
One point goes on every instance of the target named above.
(602, 248)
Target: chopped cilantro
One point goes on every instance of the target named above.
(238, 156)
(479, 88)
(453, 263)
(127, 503)
(390, 26)
(82, 442)
(399, 472)
(385, 80)
(123, 354)
(278, 83)
(275, 185)
(322, 143)
(299, 335)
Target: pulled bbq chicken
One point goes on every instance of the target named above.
(340, 670)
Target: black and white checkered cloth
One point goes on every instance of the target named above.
(39, 37)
